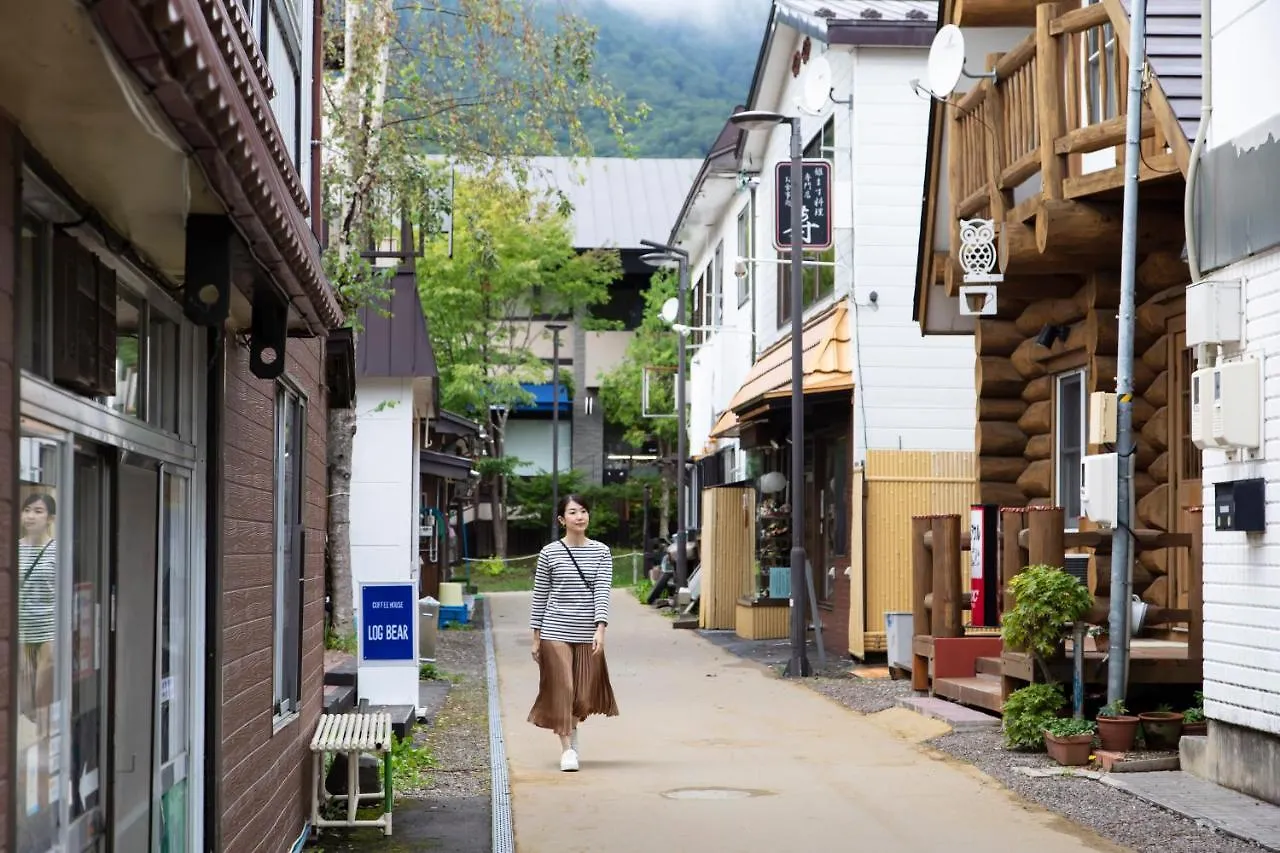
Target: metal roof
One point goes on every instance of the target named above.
(618, 201)
(394, 341)
(1173, 49)
(816, 18)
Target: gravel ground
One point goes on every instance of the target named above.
(1113, 814)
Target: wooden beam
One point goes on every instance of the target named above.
(1018, 253)
(1078, 20)
(1104, 134)
(1151, 168)
(1094, 229)
(1050, 73)
(995, 13)
(1179, 145)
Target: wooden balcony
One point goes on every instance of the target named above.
(1025, 148)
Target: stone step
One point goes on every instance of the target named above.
(980, 691)
(339, 699)
(989, 666)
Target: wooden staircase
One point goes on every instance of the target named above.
(981, 690)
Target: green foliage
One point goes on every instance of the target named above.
(1113, 709)
(530, 506)
(492, 567)
(513, 258)
(1046, 601)
(1195, 714)
(642, 590)
(1028, 711)
(409, 760)
(429, 672)
(339, 642)
(653, 345)
(1070, 727)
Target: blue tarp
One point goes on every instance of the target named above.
(542, 398)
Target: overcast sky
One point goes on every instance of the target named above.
(704, 12)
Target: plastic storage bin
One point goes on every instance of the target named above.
(457, 613)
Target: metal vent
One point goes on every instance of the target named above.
(1078, 567)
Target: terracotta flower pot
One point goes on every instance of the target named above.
(1162, 729)
(1117, 734)
(1072, 751)
(1195, 729)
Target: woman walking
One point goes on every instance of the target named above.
(569, 615)
(37, 601)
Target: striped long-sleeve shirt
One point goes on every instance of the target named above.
(564, 608)
(37, 592)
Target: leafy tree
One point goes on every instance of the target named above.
(513, 260)
(622, 389)
(472, 79)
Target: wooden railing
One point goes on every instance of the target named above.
(1058, 94)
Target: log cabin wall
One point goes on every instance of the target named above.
(1017, 441)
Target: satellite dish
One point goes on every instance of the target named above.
(671, 310)
(816, 89)
(946, 61)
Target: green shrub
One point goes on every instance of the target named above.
(1046, 601)
(1028, 711)
(1069, 727)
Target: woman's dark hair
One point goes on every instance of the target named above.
(571, 498)
(50, 505)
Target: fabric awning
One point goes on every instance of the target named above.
(828, 363)
(447, 466)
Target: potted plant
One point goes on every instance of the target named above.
(1193, 721)
(1101, 635)
(1047, 601)
(1161, 728)
(1069, 741)
(1116, 729)
(1028, 712)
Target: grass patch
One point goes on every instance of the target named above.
(339, 642)
(517, 575)
(409, 761)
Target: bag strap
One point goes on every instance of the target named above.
(588, 583)
(31, 568)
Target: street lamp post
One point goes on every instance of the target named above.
(555, 329)
(763, 120)
(663, 255)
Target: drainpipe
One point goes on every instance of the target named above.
(1193, 167)
(317, 111)
(754, 184)
(215, 343)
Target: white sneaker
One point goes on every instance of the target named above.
(573, 741)
(569, 761)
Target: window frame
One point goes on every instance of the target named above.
(744, 252)
(717, 288)
(1077, 375)
(289, 566)
(284, 15)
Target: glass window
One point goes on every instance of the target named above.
(290, 444)
(130, 396)
(717, 297)
(88, 686)
(744, 251)
(39, 694)
(175, 683)
(819, 281)
(33, 297)
(164, 360)
(1069, 443)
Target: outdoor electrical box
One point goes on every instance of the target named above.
(984, 575)
(1214, 313)
(1098, 475)
(1202, 408)
(1240, 505)
(1102, 417)
(1237, 404)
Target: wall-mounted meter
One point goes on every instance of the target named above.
(1236, 421)
(1202, 408)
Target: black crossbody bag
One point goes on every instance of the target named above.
(585, 582)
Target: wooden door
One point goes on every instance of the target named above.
(1184, 459)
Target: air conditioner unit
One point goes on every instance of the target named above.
(1236, 421)
(1202, 408)
(1098, 488)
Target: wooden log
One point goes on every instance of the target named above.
(1045, 543)
(1159, 469)
(1038, 389)
(996, 377)
(999, 438)
(1039, 447)
(1100, 613)
(1103, 373)
(1038, 419)
(921, 573)
(945, 613)
(964, 539)
(1156, 562)
(1157, 392)
(1001, 469)
(1142, 411)
(1093, 230)
(995, 13)
(1100, 575)
(1156, 356)
(1152, 315)
(1026, 359)
(996, 337)
(1018, 254)
(1156, 429)
(1000, 494)
(1161, 270)
(995, 409)
(1101, 290)
(1037, 480)
(1143, 454)
(1143, 483)
(1153, 510)
(1013, 557)
(1195, 587)
(1047, 312)
(1156, 592)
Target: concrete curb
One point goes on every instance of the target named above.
(500, 783)
(960, 718)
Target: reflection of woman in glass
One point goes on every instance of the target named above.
(37, 602)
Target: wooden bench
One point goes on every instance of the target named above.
(352, 735)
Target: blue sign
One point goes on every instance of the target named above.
(387, 612)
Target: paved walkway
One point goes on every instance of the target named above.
(711, 754)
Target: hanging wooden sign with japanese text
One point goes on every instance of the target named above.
(815, 206)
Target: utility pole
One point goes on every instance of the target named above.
(555, 329)
(1122, 542)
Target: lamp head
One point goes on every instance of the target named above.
(758, 119)
(662, 260)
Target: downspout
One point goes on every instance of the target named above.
(215, 380)
(754, 184)
(1202, 131)
(317, 124)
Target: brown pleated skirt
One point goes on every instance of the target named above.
(573, 684)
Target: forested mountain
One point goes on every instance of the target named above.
(690, 76)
